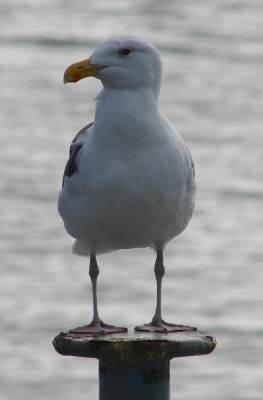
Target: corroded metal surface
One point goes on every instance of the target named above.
(147, 380)
(134, 365)
(135, 346)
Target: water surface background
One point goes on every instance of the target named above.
(212, 94)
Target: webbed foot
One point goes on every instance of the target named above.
(162, 326)
(99, 328)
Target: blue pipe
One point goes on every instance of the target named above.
(134, 365)
(134, 381)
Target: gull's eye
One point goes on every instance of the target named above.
(125, 51)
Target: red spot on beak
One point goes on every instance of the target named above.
(75, 77)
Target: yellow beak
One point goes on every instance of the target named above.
(80, 70)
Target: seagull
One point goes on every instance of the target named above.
(130, 180)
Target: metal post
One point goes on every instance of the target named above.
(134, 365)
(140, 381)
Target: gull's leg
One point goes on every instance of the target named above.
(159, 271)
(94, 273)
(96, 325)
(158, 324)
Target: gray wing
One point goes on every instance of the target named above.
(71, 167)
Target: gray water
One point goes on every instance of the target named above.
(212, 94)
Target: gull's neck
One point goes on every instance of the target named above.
(126, 105)
(126, 120)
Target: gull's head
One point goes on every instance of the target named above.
(121, 63)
